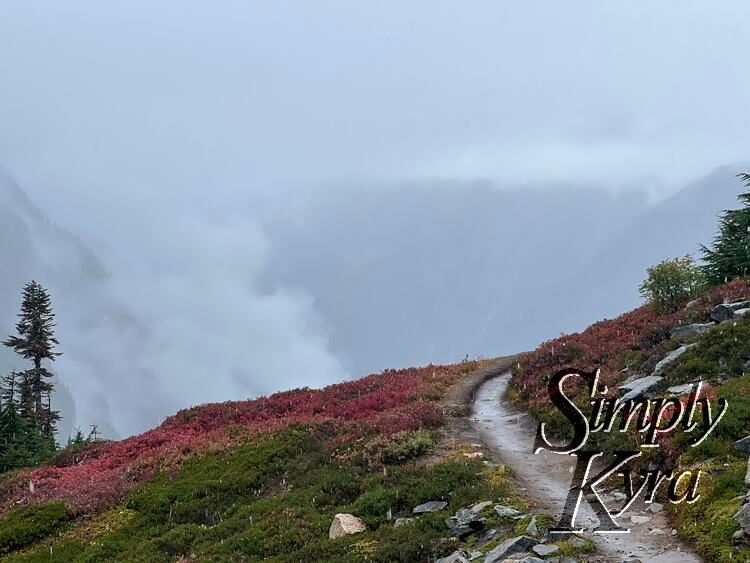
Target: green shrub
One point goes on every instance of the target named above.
(24, 525)
(672, 282)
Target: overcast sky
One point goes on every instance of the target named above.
(158, 131)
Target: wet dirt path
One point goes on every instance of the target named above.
(546, 479)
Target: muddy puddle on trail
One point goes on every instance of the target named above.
(546, 478)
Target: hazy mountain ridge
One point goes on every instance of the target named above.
(471, 267)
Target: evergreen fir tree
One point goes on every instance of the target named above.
(729, 254)
(14, 429)
(36, 342)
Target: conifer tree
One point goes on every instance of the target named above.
(36, 342)
(14, 430)
(729, 254)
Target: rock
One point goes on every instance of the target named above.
(459, 556)
(679, 390)
(474, 455)
(656, 532)
(575, 541)
(509, 547)
(742, 517)
(637, 519)
(738, 537)
(531, 529)
(480, 506)
(671, 357)
(743, 445)
(741, 312)
(486, 537)
(747, 473)
(618, 496)
(687, 330)
(432, 506)
(655, 508)
(639, 387)
(507, 512)
(345, 525)
(726, 311)
(474, 555)
(543, 550)
(674, 532)
(531, 559)
(402, 522)
(464, 523)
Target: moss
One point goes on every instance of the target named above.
(27, 524)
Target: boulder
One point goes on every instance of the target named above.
(687, 330)
(432, 506)
(742, 517)
(531, 529)
(510, 546)
(464, 523)
(671, 357)
(680, 390)
(747, 473)
(345, 525)
(459, 556)
(655, 508)
(741, 312)
(531, 559)
(726, 311)
(480, 506)
(575, 541)
(543, 550)
(637, 519)
(486, 537)
(640, 387)
(508, 512)
(743, 445)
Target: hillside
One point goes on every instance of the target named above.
(703, 340)
(263, 479)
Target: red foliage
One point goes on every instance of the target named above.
(604, 344)
(103, 473)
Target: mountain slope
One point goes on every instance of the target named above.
(263, 480)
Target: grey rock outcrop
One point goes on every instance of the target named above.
(465, 522)
(459, 556)
(508, 512)
(726, 311)
(431, 506)
(509, 547)
(743, 445)
(688, 330)
(543, 550)
(671, 357)
(639, 387)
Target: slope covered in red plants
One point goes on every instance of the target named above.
(99, 476)
(611, 344)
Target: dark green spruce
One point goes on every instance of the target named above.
(729, 253)
(27, 421)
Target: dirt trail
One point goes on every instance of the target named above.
(546, 478)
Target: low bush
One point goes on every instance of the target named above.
(24, 525)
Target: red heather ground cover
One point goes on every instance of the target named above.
(607, 343)
(100, 476)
